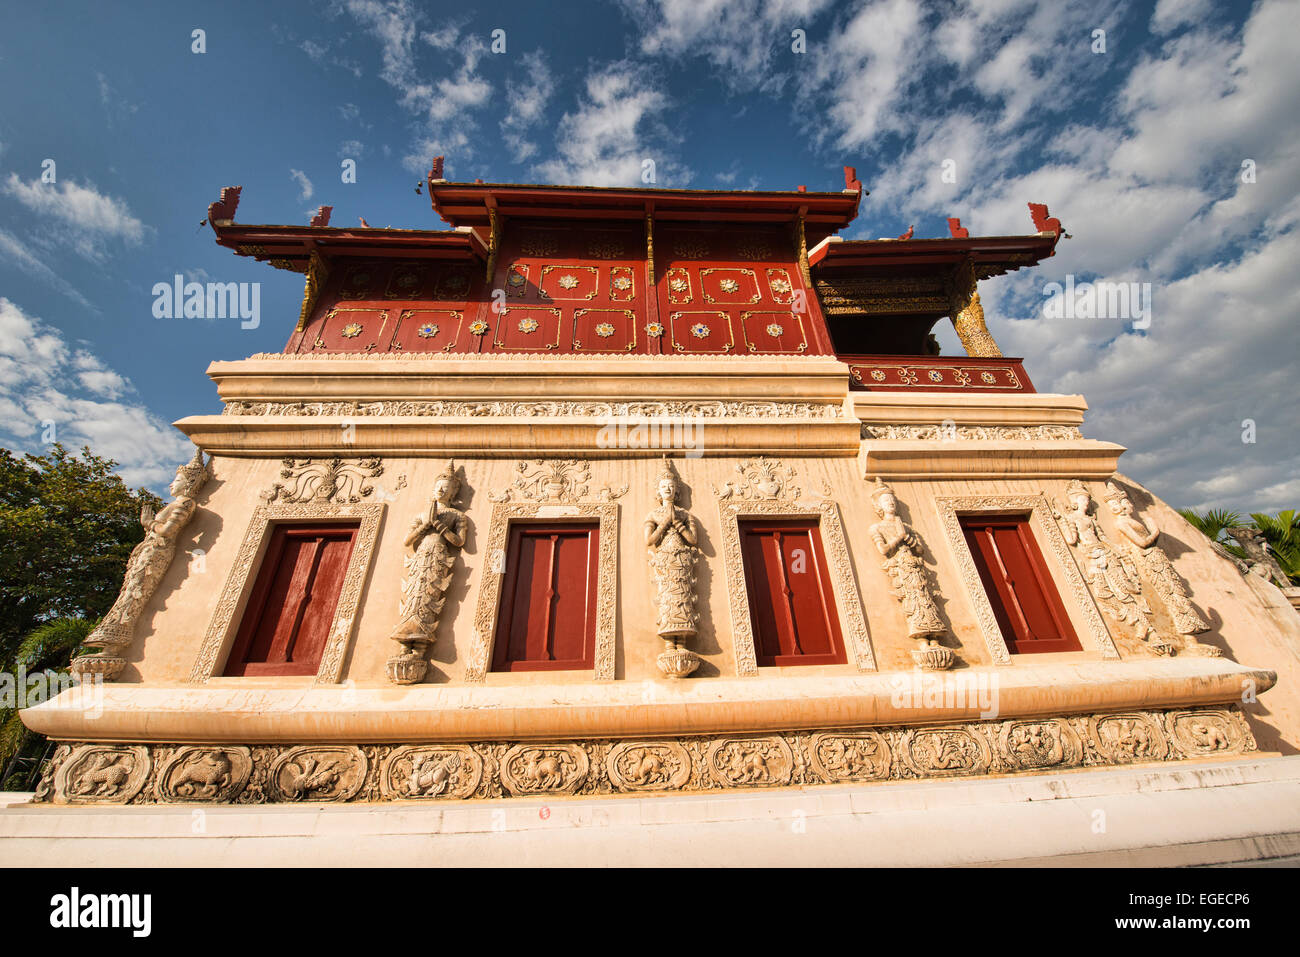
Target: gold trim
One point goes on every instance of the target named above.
(317, 274)
(744, 331)
(631, 316)
(616, 295)
(758, 292)
(595, 285)
(501, 321)
(672, 328)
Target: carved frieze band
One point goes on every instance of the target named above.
(1045, 532)
(707, 410)
(83, 773)
(220, 634)
(955, 433)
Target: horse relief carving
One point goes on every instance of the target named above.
(542, 769)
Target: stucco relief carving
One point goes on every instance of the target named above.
(333, 481)
(452, 771)
(765, 489)
(902, 551)
(1208, 733)
(1129, 737)
(1110, 573)
(435, 539)
(1046, 743)
(944, 752)
(671, 541)
(751, 762)
(837, 757)
(950, 507)
(318, 773)
(544, 769)
(940, 433)
(118, 774)
(221, 629)
(211, 774)
(1144, 549)
(548, 490)
(558, 480)
(103, 774)
(648, 766)
(145, 568)
(718, 409)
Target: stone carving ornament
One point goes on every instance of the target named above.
(1145, 551)
(902, 549)
(87, 773)
(1111, 574)
(557, 480)
(435, 539)
(333, 480)
(145, 568)
(671, 539)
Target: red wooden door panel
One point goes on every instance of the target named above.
(287, 621)
(791, 604)
(1025, 602)
(547, 619)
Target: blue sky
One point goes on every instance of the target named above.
(1138, 148)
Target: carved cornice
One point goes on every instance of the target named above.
(940, 433)
(554, 409)
(115, 774)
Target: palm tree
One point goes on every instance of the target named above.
(1214, 525)
(1282, 532)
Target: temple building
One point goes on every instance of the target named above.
(615, 492)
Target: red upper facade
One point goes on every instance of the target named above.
(563, 270)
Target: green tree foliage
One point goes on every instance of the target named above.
(1281, 531)
(67, 527)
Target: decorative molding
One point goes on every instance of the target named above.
(766, 492)
(716, 409)
(1045, 532)
(222, 628)
(89, 773)
(331, 481)
(553, 490)
(676, 361)
(985, 433)
(317, 273)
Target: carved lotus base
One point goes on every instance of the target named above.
(678, 662)
(1194, 649)
(406, 669)
(107, 666)
(933, 657)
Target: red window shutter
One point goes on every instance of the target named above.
(791, 604)
(287, 621)
(1025, 602)
(547, 618)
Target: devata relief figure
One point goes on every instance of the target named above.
(1169, 586)
(145, 568)
(671, 538)
(435, 538)
(1112, 575)
(901, 549)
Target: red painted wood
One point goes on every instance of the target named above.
(1025, 602)
(287, 620)
(955, 374)
(547, 619)
(791, 603)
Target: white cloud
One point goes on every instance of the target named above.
(17, 253)
(304, 184)
(87, 215)
(603, 143)
(526, 99)
(1171, 14)
(44, 381)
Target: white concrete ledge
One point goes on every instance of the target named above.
(237, 712)
(1154, 815)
